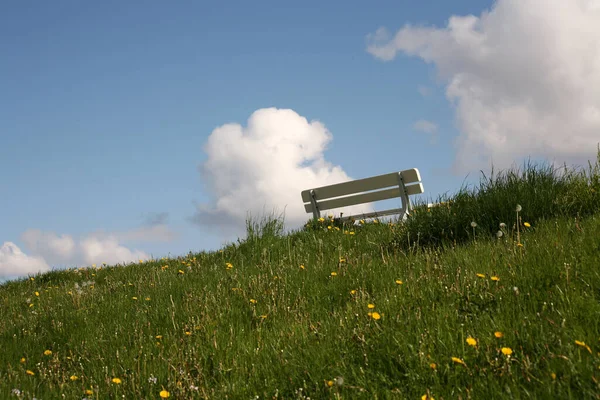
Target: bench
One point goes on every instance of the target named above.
(396, 184)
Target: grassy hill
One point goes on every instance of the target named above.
(470, 299)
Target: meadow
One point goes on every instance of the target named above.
(493, 293)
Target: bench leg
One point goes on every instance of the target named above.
(313, 200)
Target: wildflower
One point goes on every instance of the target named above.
(352, 233)
(458, 361)
(159, 336)
(495, 278)
(229, 265)
(37, 294)
(188, 333)
(336, 228)
(499, 234)
(252, 301)
(582, 344)
(433, 366)
(134, 298)
(342, 260)
(23, 360)
(301, 266)
(502, 225)
(481, 275)
(329, 227)
(73, 378)
(334, 273)
(376, 316)
(519, 244)
(399, 282)
(147, 299)
(507, 351)
(48, 352)
(116, 381)
(329, 383)
(89, 391)
(29, 372)
(353, 292)
(527, 224)
(180, 272)
(152, 380)
(473, 224)
(553, 376)
(518, 208)
(321, 219)
(371, 306)
(499, 334)
(164, 394)
(16, 392)
(427, 397)
(339, 381)
(362, 222)
(471, 341)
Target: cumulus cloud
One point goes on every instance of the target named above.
(524, 78)
(13, 262)
(427, 127)
(263, 167)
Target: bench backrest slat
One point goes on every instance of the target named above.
(364, 198)
(362, 185)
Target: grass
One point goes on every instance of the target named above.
(431, 307)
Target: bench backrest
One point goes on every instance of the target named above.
(403, 184)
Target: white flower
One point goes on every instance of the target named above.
(473, 224)
(499, 234)
(518, 208)
(502, 225)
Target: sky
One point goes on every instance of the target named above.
(141, 130)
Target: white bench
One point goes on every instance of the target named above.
(405, 183)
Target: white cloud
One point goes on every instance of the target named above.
(13, 262)
(263, 167)
(427, 127)
(96, 250)
(524, 78)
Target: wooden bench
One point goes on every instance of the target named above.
(403, 184)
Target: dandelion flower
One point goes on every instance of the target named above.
(495, 278)
(518, 208)
(376, 316)
(499, 334)
(134, 298)
(458, 361)
(301, 266)
(329, 227)
(116, 381)
(362, 222)
(73, 377)
(507, 351)
(37, 294)
(582, 344)
(499, 234)
(471, 341)
(353, 292)
(29, 372)
(253, 301)
(321, 219)
(473, 224)
(399, 282)
(371, 306)
(334, 273)
(89, 391)
(342, 260)
(433, 366)
(48, 352)
(553, 376)
(180, 272)
(188, 333)
(164, 394)
(426, 397)
(527, 224)
(502, 225)
(481, 275)
(229, 265)
(23, 360)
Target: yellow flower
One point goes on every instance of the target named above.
(495, 278)
(180, 272)
(433, 366)
(371, 305)
(302, 267)
(471, 341)
(188, 333)
(399, 282)
(481, 275)
(147, 299)
(498, 334)
(29, 372)
(159, 336)
(164, 394)
(458, 361)
(73, 377)
(134, 298)
(362, 222)
(23, 360)
(553, 376)
(116, 380)
(229, 265)
(426, 397)
(330, 383)
(89, 391)
(321, 219)
(507, 351)
(376, 316)
(342, 259)
(37, 294)
(353, 292)
(252, 301)
(334, 273)
(48, 352)
(329, 227)
(582, 344)
(527, 225)
(351, 233)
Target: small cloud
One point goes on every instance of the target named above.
(424, 90)
(14, 263)
(427, 127)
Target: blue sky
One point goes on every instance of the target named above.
(106, 106)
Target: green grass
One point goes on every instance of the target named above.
(290, 318)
